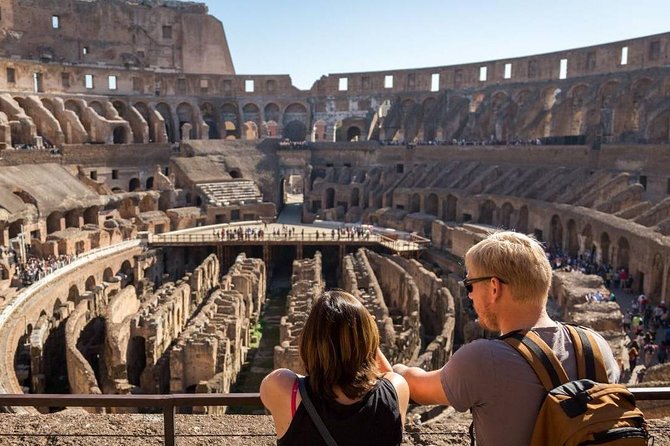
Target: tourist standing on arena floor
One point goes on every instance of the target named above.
(349, 381)
(508, 281)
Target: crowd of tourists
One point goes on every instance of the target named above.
(34, 268)
(287, 144)
(288, 232)
(647, 325)
(464, 142)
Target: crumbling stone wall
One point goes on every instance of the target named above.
(401, 296)
(568, 289)
(210, 352)
(307, 284)
(163, 316)
(437, 313)
(121, 309)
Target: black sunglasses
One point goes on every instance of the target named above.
(467, 283)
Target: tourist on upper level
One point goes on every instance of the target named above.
(349, 381)
(508, 281)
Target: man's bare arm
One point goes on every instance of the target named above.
(424, 387)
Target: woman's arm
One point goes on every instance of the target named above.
(275, 393)
(402, 390)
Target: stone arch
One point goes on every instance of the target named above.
(295, 117)
(164, 110)
(431, 204)
(656, 285)
(330, 198)
(54, 222)
(487, 212)
(295, 131)
(573, 241)
(73, 294)
(149, 183)
(73, 106)
(608, 93)
(107, 275)
(120, 135)
(577, 96)
(251, 112)
(91, 215)
(605, 247)
(134, 184)
(72, 219)
(475, 102)
(136, 359)
(97, 107)
(319, 130)
(272, 129)
(185, 116)
(230, 119)
(90, 283)
(550, 96)
(121, 108)
(143, 109)
(15, 228)
(623, 253)
(415, 203)
(659, 128)
(522, 222)
(271, 112)
(450, 208)
(127, 273)
(354, 133)
(506, 215)
(211, 118)
(556, 232)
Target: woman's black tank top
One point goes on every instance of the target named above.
(375, 420)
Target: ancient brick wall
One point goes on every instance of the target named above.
(307, 284)
(401, 296)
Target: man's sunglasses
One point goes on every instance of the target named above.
(467, 283)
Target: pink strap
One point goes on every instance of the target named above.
(294, 393)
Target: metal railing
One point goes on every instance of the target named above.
(413, 244)
(169, 403)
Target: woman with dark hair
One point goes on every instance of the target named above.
(349, 381)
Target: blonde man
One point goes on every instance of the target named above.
(508, 279)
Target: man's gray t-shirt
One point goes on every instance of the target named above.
(505, 395)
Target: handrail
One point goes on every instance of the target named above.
(169, 402)
(327, 238)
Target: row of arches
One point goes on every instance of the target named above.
(620, 109)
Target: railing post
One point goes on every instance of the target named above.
(168, 424)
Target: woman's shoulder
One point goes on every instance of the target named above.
(279, 378)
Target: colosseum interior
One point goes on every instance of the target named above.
(166, 223)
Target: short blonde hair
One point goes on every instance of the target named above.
(519, 260)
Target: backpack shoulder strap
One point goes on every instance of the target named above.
(539, 356)
(590, 362)
(311, 410)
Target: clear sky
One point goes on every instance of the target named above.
(310, 38)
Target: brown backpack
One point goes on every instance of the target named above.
(586, 411)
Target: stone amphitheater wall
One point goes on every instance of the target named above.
(401, 296)
(437, 313)
(81, 377)
(307, 284)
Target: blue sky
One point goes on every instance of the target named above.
(310, 38)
